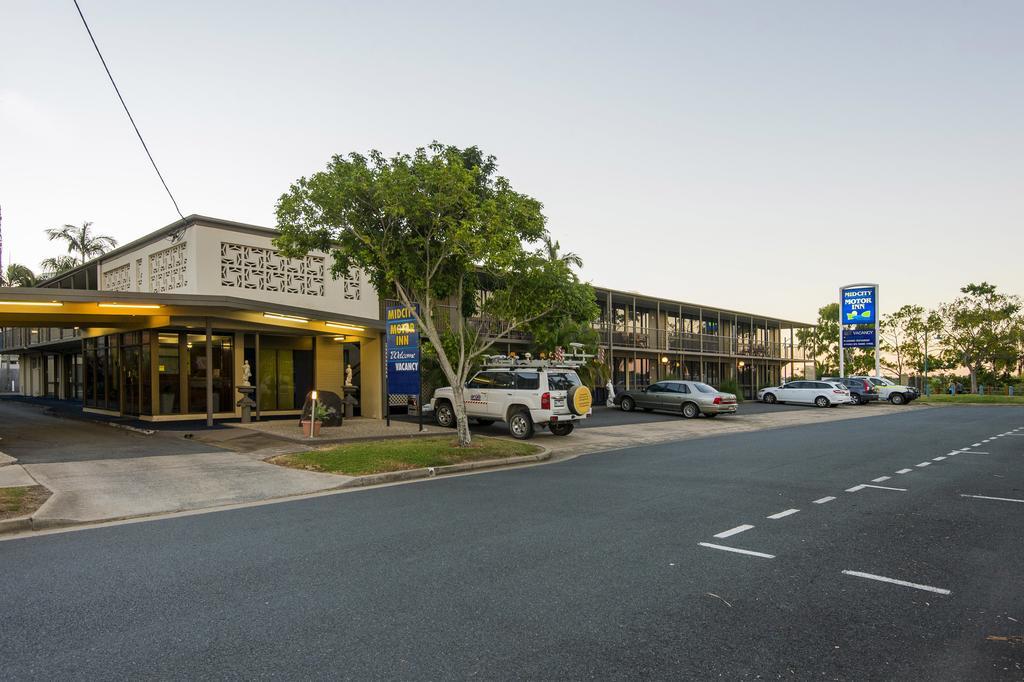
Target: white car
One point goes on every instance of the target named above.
(820, 393)
(526, 398)
(891, 391)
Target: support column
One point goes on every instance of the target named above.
(209, 373)
(256, 374)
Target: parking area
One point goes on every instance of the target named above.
(35, 436)
(603, 416)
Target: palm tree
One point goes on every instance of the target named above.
(571, 259)
(18, 275)
(56, 265)
(81, 241)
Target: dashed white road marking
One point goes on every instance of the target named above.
(860, 487)
(734, 531)
(783, 514)
(939, 458)
(998, 499)
(824, 500)
(904, 583)
(880, 479)
(737, 550)
(974, 445)
(904, 471)
(923, 464)
(953, 453)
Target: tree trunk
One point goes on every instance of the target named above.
(461, 420)
(974, 379)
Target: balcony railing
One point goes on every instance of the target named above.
(690, 342)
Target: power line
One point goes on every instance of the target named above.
(111, 77)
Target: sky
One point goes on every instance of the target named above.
(748, 155)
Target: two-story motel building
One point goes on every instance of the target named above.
(165, 328)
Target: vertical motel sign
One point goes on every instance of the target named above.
(858, 305)
(403, 352)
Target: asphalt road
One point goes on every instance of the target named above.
(586, 568)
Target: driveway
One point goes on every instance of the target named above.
(97, 472)
(35, 437)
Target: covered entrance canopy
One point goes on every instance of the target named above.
(141, 336)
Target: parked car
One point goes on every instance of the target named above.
(896, 394)
(861, 390)
(688, 398)
(526, 396)
(820, 393)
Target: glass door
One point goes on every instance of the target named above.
(132, 373)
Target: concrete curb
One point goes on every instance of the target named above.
(433, 472)
(126, 427)
(15, 525)
(6, 460)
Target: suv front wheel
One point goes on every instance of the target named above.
(444, 415)
(520, 425)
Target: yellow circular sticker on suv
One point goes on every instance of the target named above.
(581, 400)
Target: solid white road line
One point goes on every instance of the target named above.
(738, 551)
(783, 514)
(734, 531)
(938, 459)
(904, 471)
(860, 487)
(972, 452)
(880, 479)
(824, 500)
(923, 464)
(904, 583)
(998, 499)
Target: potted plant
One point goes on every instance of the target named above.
(311, 427)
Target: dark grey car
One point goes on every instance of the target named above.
(688, 398)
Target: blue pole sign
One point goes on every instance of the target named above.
(403, 351)
(859, 305)
(858, 338)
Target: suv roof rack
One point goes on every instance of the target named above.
(573, 360)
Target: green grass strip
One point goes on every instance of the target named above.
(374, 457)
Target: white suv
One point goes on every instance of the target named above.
(524, 397)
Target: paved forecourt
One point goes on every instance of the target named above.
(591, 567)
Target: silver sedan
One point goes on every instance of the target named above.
(689, 398)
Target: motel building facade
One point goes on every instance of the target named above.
(167, 327)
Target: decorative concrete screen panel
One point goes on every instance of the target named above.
(255, 268)
(168, 269)
(138, 274)
(118, 279)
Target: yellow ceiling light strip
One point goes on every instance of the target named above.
(139, 306)
(348, 327)
(36, 304)
(286, 318)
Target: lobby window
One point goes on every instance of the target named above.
(221, 370)
(285, 372)
(168, 374)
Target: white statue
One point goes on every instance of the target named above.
(610, 401)
(246, 373)
(348, 375)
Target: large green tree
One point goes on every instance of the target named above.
(82, 241)
(434, 226)
(822, 340)
(979, 326)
